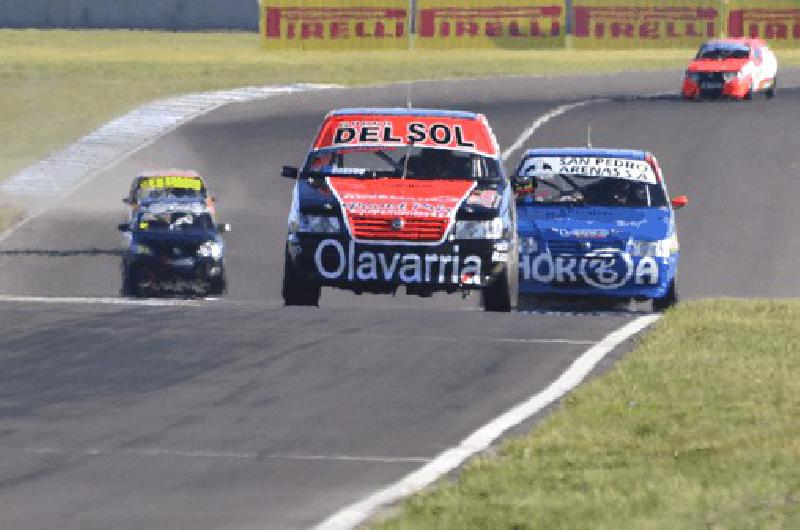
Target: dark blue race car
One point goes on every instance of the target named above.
(596, 223)
(173, 244)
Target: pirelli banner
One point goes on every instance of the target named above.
(514, 24)
(437, 24)
(777, 21)
(335, 24)
(645, 23)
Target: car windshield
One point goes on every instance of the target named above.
(721, 53)
(603, 182)
(169, 187)
(402, 162)
(174, 221)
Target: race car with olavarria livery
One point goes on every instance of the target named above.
(411, 198)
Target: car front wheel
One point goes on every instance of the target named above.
(130, 282)
(501, 295)
(217, 286)
(296, 290)
(669, 300)
(772, 91)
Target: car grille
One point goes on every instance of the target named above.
(579, 247)
(381, 228)
(174, 250)
(711, 77)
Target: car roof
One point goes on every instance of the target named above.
(170, 173)
(630, 154)
(735, 42)
(400, 111)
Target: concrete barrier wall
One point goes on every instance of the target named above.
(133, 14)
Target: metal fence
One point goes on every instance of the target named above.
(176, 15)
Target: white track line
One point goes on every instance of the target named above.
(148, 302)
(480, 440)
(541, 120)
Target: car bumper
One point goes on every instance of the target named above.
(163, 269)
(343, 263)
(736, 89)
(631, 277)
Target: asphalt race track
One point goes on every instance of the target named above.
(240, 413)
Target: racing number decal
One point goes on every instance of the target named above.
(602, 269)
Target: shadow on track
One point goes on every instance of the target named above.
(575, 305)
(62, 253)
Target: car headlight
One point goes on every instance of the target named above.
(656, 249)
(479, 229)
(319, 224)
(693, 76)
(729, 76)
(142, 250)
(210, 249)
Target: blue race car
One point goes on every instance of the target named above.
(596, 223)
(173, 243)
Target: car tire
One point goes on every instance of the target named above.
(296, 290)
(217, 286)
(502, 294)
(669, 300)
(130, 283)
(773, 90)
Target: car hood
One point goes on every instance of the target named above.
(594, 223)
(184, 237)
(714, 65)
(401, 209)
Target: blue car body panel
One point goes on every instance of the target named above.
(588, 250)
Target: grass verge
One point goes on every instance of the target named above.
(9, 215)
(57, 85)
(699, 427)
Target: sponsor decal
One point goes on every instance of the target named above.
(632, 224)
(419, 211)
(644, 21)
(356, 131)
(547, 167)
(485, 198)
(334, 24)
(437, 20)
(335, 260)
(583, 233)
(168, 182)
(605, 269)
(772, 22)
(416, 133)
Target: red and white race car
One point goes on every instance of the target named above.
(733, 68)
(402, 198)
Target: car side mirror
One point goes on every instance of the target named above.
(680, 201)
(523, 185)
(223, 227)
(124, 227)
(289, 172)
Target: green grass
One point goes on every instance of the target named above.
(57, 85)
(9, 215)
(699, 427)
